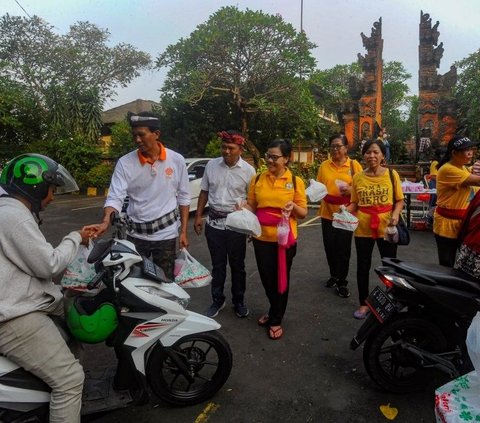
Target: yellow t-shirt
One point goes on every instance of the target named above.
(451, 195)
(374, 191)
(328, 172)
(269, 191)
(433, 168)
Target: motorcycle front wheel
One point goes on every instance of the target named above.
(391, 366)
(200, 366)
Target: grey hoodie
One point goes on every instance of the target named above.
(28, 262)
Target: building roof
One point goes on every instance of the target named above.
(117, 114)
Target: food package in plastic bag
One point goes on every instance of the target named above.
(79, 272)
(189, 272)
(344, 220)
(316, 191)
(459, 400)
(243, 221)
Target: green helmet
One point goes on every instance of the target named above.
(91, 328)
(30, 176)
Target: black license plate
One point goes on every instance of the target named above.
(380, 304)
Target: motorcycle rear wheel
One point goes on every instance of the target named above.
(208, 359)
(393, 368)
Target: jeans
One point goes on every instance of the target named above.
(34, 342)
(364, 246)
(227, 246)
(338, 246)
(163, 253)
(266, 254)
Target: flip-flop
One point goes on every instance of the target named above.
(275, 332)
(263, 320)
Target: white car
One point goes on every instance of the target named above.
(196, 169)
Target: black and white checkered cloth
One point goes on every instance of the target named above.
(149, 228)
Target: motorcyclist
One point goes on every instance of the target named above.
(28, 336)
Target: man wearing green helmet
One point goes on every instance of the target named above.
(28, 335)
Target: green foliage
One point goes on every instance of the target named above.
(77, 155)
(213, 148)
(467, 94)
(330, 87)
(241, 63)
(306, 171)
(121, 139)
(99, 176)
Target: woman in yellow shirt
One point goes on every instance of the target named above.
(272, 195)
(454, 192)
(336, 174)
(378, 204)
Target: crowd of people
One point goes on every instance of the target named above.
(156, 181)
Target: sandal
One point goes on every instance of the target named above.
(263, 321)
(275, 332)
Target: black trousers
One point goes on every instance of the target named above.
(338, 247)
(266, 254)
(226, 245)
(163, 253)
(364, 247)
(447, 250)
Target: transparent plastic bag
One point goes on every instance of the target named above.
(391, 234)
(79, 272)
(243, 221)
(189, 272)
(283, 230)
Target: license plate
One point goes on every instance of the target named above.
(380, 304)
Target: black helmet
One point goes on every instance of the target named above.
(30, 175)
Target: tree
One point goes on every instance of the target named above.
(330, 86)
(252, 57)
(467, 94)
(68, 76)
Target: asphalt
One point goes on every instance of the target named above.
(310, 375)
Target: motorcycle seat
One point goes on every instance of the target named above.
(441, 275)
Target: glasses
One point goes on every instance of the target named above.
(272, 157)
(336, 146)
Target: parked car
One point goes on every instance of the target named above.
(196, 169)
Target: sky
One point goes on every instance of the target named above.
(333, 25)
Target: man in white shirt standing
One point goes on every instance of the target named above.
(224, 184)
(155, 179)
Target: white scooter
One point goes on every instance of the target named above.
(159, 344)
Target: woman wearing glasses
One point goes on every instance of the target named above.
(276, 195)
(336, 173)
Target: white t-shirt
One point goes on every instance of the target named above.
(225, 186)
(153, 190)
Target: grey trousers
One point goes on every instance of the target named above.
(34, 342)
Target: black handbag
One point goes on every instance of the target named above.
(403, 233)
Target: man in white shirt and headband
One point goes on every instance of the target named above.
(225, 182)
(155, 179)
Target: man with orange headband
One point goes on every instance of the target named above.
(225, 184)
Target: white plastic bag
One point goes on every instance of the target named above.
(243, 221)
(473, 342)
(344, 220)
(459, 400)
(316, 191)
(190, 273)
(79, 272)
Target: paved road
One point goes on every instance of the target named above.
(310, 375)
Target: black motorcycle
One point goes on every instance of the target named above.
(417, 324)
